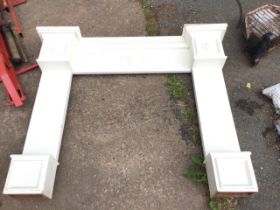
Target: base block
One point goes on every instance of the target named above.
(31, 175)
(230, 174)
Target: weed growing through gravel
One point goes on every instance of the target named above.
(176, 88)
(152, 26)
(223, 204)
(179, 92)
(198, 175)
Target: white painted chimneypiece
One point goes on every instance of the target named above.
(65, 53)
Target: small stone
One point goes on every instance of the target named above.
(261, 168)
(249, 86)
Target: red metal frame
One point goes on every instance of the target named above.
(15, 3)
(8, 76)
(10, 4)
(14, 16)
(26, 69)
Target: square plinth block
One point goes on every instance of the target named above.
(230, 174)
(31, 175)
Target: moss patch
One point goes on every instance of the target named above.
(176, 88)
(152, 26)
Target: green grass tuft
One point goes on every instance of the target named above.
(176, 88)
(196, 176)
(197, 160)
(223, 203)
(213, 204)
(152, 26)
(190, 115)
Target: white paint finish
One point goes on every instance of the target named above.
(64, 53)
(129, 55)
(230, 172)
(203, 29)
(59, 47)
(216, 122)
(228, 169)
(31, 174)
(57, 31)
(30, 169)
(215, 118)
(206, 43)
(132, 55)
(47, 121)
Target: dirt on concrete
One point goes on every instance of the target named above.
(122, 147)
(253, 114)
(248, 106)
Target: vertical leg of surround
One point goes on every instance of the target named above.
(33, 172)
(230, 171)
